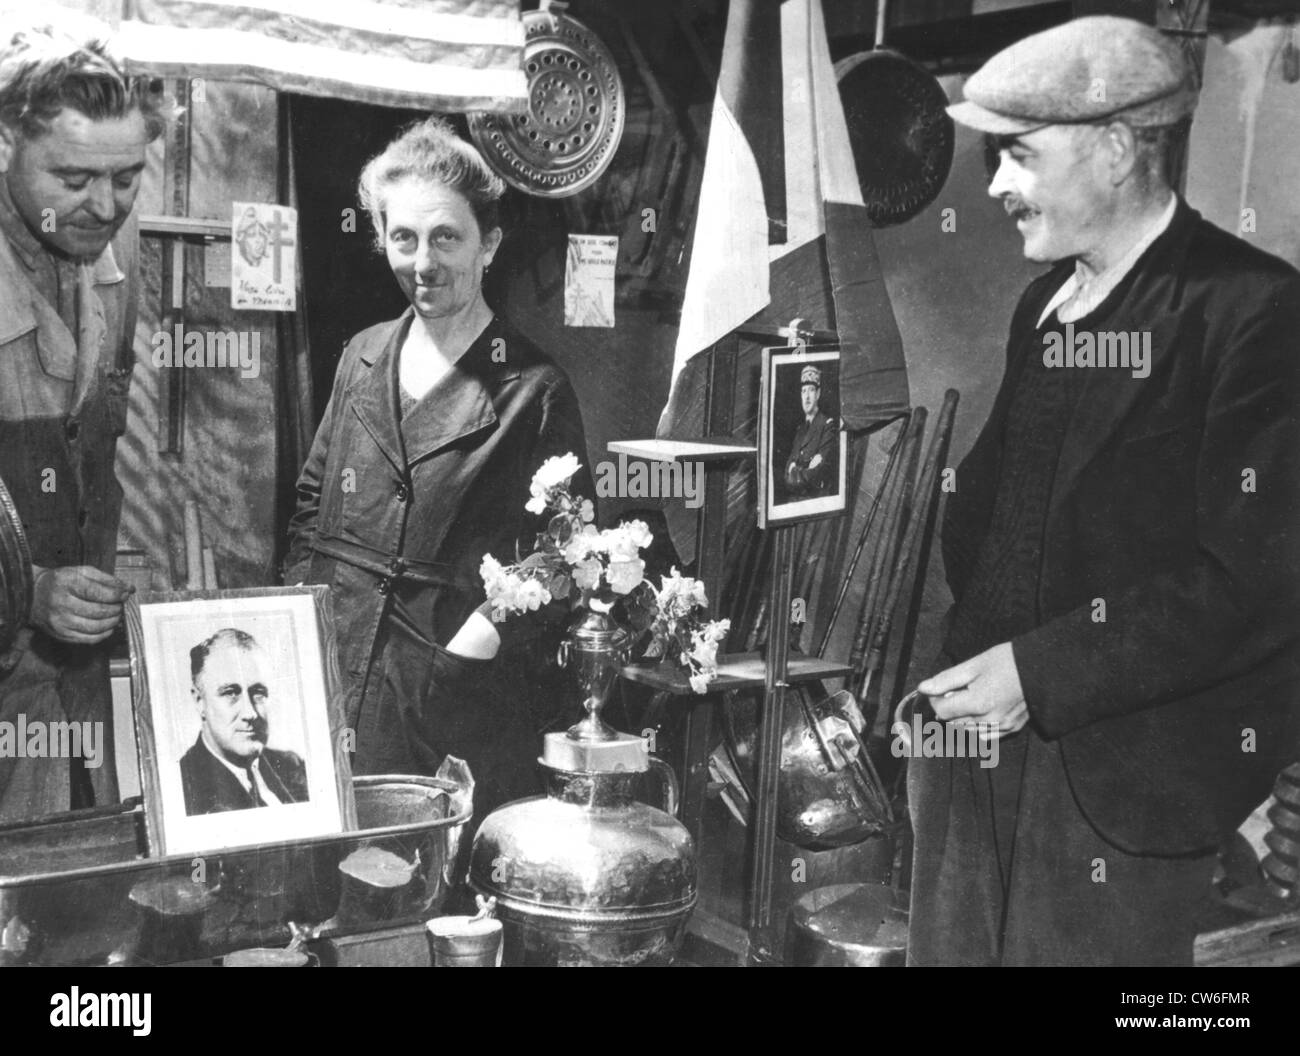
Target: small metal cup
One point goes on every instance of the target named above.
(465, 942)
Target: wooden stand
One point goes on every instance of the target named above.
(776, 671)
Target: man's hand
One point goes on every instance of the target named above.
(984, 689)
(78, 603)
(815, 462)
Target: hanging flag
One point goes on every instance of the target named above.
(446, 55)
(873, 372)
(728, 278)
(825, 270)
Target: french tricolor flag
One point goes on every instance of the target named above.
(782, 230)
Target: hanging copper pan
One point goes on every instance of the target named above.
(900, 132)
(574, 122)
(15, 572)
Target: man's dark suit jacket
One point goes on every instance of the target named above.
(1175, 500)
(211, 788)
(821, 437)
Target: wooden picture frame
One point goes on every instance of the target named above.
(802, 454)
(251, 748)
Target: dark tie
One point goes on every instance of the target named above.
(258, 801)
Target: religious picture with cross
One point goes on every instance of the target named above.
(263, 259)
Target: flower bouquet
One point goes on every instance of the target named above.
(600, 570)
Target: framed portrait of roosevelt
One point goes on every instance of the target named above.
(238, 718)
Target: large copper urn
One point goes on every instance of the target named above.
(587, 874)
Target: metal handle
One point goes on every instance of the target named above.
(672, 791)
(905, 705)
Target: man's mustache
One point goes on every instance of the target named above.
(1017, 207)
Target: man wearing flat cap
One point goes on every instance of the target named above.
(1124, 537)
(812, 466)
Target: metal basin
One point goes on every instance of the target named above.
(76, 889)
(848, 926)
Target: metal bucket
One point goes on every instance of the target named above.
(848, 926)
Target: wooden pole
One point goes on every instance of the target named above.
(769, 759)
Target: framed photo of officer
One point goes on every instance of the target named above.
(238, 716)
(802, 445)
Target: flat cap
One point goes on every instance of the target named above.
(1089, 69)
(810, 376)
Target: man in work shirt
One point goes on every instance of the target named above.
(73, 133)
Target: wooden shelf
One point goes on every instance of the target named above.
(735, 671)
(184, 227)
(681, 450)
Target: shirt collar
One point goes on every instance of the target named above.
(1085, 295)
(241, 773)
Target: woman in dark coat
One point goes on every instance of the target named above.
(421, 465)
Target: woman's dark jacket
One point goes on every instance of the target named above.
(395, 516)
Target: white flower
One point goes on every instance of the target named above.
(703, 651)
(639, 533)
(715, 630)
(588, 512)
(537, 504)
(554, 472)
(700, 682)
(621, 542)
(531, 596)
(582, 545)
(680, 596)
(494, 576)
(624, 576)
(586, 574)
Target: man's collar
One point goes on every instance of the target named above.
(239, 772)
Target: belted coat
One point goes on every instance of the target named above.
(395, 515)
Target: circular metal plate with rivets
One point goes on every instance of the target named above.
(574, 121)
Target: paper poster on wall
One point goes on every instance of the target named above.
(589, 280)
(216, 264)
(263, 258)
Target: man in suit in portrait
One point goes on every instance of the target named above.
(1123, 541)
(229, 766)
(812, 466)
